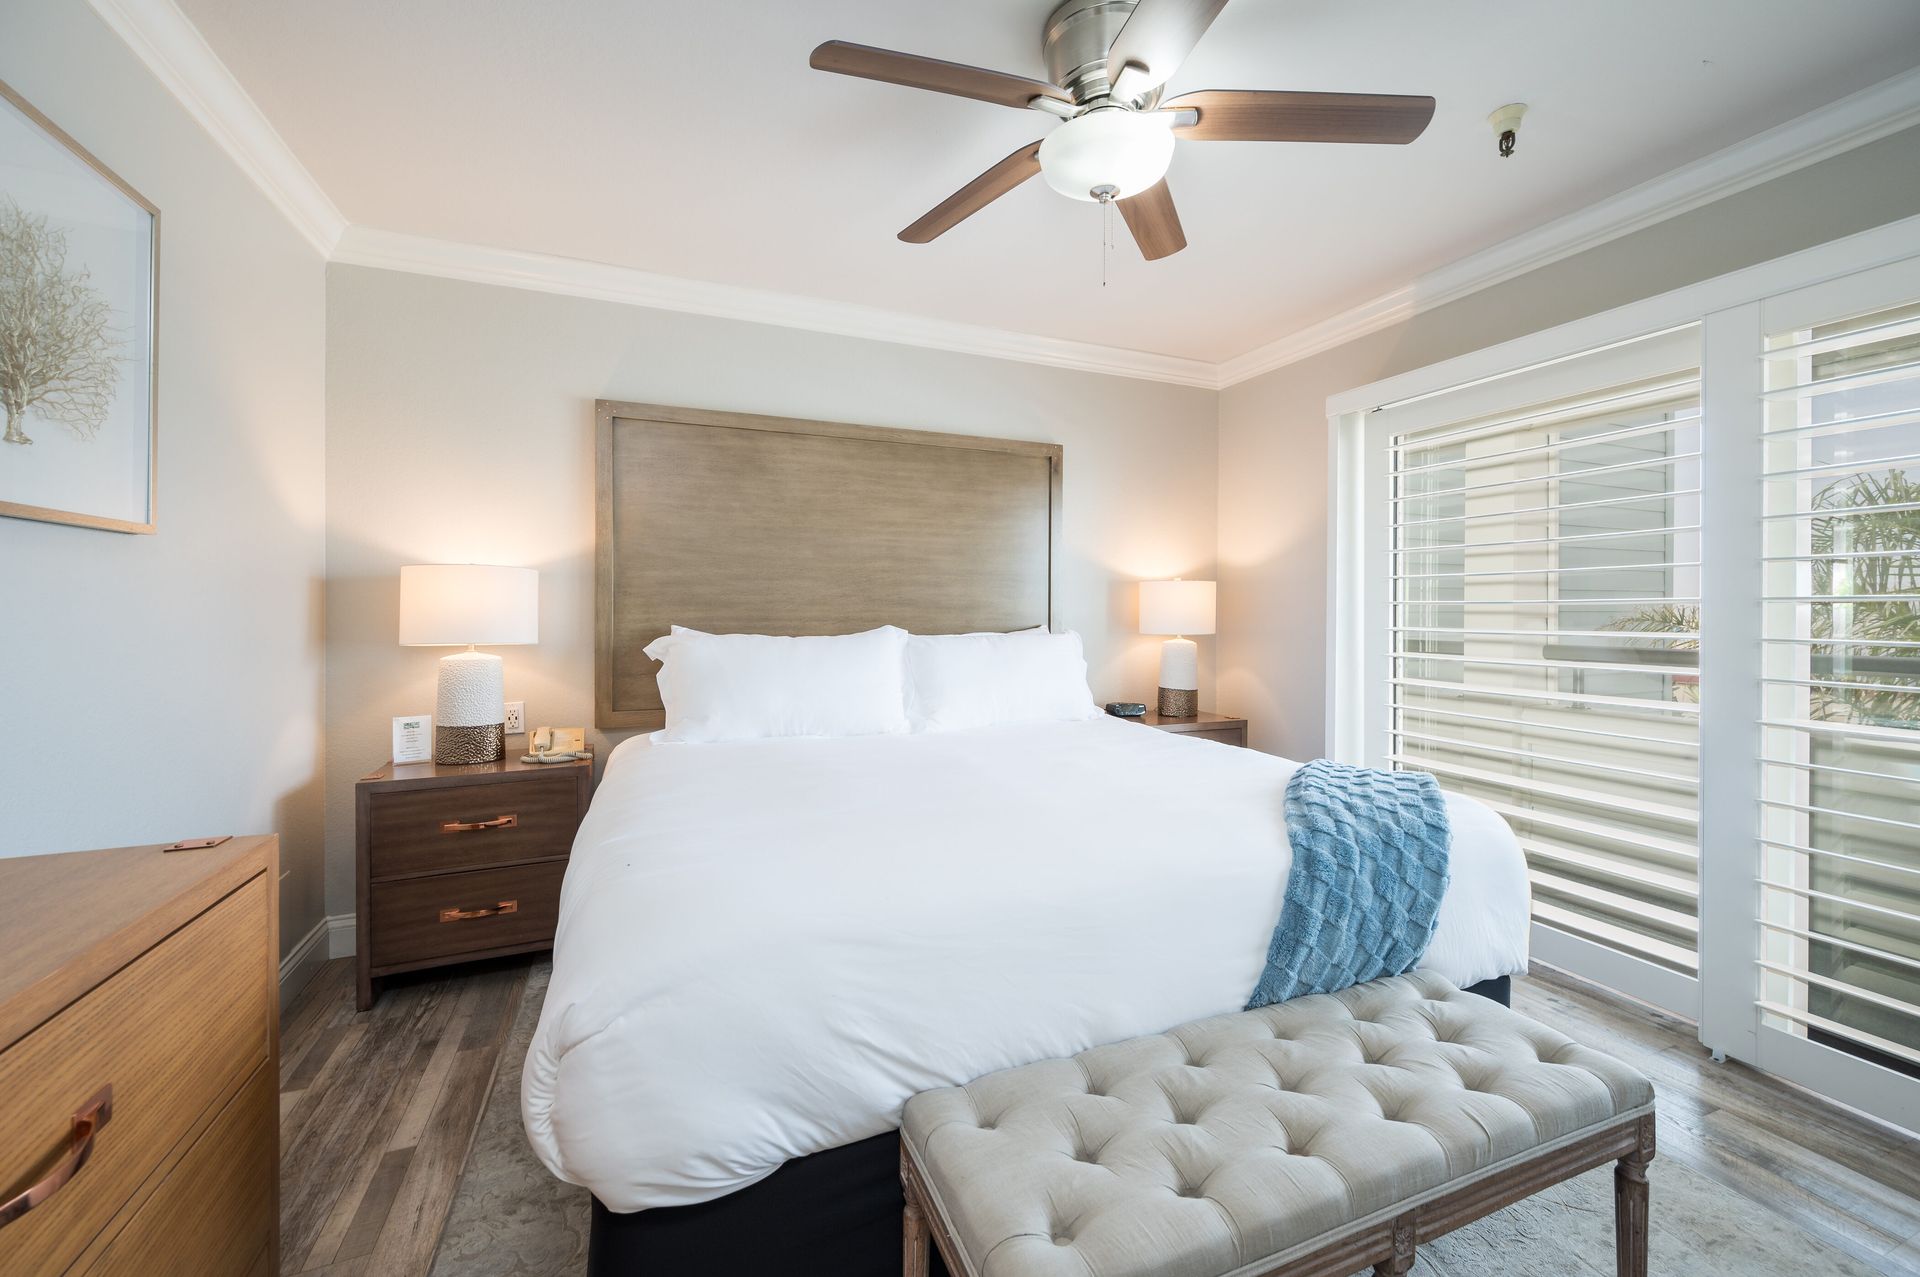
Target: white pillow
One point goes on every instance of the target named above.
(956, 681)
(721, 687)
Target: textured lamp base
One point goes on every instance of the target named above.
(469, 720)
(1178, 702)
(453, 745)
(1179, 678)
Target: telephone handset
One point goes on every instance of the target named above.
(557, 745)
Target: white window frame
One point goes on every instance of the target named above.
(1732, 312)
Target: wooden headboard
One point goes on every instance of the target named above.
(767, 525)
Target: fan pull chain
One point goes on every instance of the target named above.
(1106, 238)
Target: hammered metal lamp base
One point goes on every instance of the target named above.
(1176, 702)
(456, 745)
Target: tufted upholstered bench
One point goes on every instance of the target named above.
(1310, 1138)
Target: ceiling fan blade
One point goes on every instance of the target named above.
(1155, 41)
(930, 73)
(975, 195)
(1257, 115)
(1154, 222)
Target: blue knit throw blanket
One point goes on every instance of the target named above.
(1369, 868)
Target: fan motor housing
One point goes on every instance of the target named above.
(1077, 36)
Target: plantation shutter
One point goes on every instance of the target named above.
(1839, 820)
(1544, 619)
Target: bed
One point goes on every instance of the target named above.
(766, 946)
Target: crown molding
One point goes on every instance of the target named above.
(179, 57)
(572, 277)
(1873, 113)
(173, 49)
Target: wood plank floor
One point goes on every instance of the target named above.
(378, 1110)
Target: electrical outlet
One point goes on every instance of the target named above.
(516, 717)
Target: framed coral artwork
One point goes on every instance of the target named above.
(79, 274)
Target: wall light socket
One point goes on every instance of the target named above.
(516, 717)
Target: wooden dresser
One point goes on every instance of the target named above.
(459, 862)
(139, 1062)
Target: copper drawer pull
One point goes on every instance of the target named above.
(86, 1124)
(463, 915)
(509, 821)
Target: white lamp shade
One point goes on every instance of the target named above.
(455, 604)
(1176, 607)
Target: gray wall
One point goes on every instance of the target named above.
(1273, 428)
(460, 428)
(166, 685)
(337, 422)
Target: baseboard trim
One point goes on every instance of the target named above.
(333, 936)
(302, 961)
(342, 935)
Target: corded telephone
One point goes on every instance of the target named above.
(556, 745)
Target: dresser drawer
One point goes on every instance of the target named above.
(171, 1033)
(213, 1214)
(449, 827)
(422, 919)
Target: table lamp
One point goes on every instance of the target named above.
(1178, 608)
(469, 605)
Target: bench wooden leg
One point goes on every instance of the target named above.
(913, 1254)
(1630, 1205)
(915, 1236)
(1403, 1247)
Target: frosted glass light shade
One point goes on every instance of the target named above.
(1176, 607)
(455, 604)
(1126, 150)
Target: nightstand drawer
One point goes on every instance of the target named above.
(423, 919)
(450, 827)
(1225, 735)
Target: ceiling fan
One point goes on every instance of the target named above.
(1108, 61)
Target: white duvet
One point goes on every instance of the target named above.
(766, 947)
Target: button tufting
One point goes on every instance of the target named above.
(1324, 1086)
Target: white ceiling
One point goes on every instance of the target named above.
(685, 139)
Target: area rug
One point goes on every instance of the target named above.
(512, 1219)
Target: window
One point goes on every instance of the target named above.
(1545, 635)
(1840, 798)
(1648, 586)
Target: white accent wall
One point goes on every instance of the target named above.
(154, 687)
(1273, 428)
(460, 428)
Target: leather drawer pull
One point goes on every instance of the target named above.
(86, 1124)
(464, 915)
(509, 821)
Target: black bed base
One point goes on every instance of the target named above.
(834, 1213)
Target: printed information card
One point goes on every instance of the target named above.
(413, 739)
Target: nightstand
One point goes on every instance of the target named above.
(1206, 725)
(456, 863)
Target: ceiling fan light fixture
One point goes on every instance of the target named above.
(1110, 153)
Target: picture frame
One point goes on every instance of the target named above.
(80, 250)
